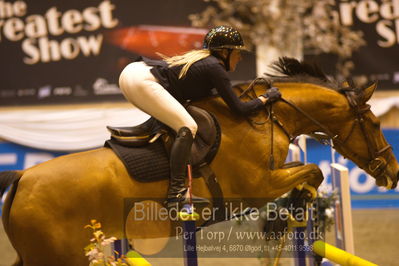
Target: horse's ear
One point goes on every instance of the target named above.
(368, 92)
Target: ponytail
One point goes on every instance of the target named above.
(186, 60)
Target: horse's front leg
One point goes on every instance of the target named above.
(282, 181)
(303, 182)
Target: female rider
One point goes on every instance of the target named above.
(159, 87)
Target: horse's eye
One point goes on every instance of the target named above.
(375, 122)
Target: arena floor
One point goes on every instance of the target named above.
(376, 234)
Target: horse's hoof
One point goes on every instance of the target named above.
(312, 191)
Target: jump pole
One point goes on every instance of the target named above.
(121, 246)
(135, 259)
(339, 256)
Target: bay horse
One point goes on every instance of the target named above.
(49, 204)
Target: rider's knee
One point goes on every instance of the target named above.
(193, 128)
(189, 124)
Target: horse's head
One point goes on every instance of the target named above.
(361, 139)
(355, 130)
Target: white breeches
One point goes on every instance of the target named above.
(142, 89)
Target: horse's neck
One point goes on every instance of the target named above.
(253, 141)
(326, 106)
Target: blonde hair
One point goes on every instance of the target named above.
(186, 59)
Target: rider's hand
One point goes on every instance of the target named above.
(273, 94)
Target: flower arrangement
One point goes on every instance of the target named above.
(95, 250)
(326, 208)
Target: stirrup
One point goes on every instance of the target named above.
(183, 198)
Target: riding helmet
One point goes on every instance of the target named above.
(223, 37)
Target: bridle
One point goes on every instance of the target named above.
(376, 163)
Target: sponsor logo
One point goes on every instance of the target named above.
(26, 92)
(44, 92)
(7, 93)
(62, 91)
(102, 87)
(79, 91)
(395, 78)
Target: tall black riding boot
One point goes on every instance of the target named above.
(179, 156)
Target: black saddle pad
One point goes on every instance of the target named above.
(151, 162)
(145, 164)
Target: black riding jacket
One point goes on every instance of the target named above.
(201, 78)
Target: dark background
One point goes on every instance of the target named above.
(371, 62)
(80, 73)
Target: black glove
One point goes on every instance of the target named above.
(273, 94)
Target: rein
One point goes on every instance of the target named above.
(376, 164)
(314, 121)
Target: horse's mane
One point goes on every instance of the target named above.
(291, 70)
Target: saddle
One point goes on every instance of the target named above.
(144, 149)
